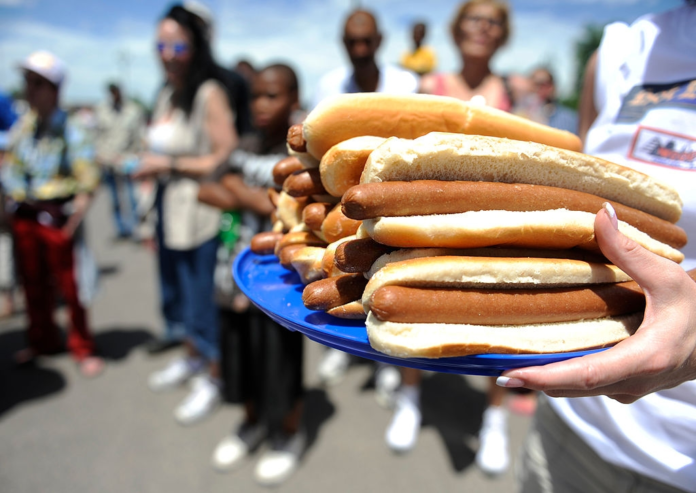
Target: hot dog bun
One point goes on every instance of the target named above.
(345, 116)
(555, 229)
(337, 225)
(455, 157)
(351, 311)
(343, 164)
(421, 340)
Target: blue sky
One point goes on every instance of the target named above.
(103, 40)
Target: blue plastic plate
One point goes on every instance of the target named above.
(278, 292)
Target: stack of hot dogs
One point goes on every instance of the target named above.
(469, 242)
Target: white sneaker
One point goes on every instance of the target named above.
(402, 432)
(233, 449)
(176, 373)
(203, 399)
(280, 462)
(333, 366)
(492, 456)
(387, 381)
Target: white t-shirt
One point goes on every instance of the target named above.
(392, 80)
(646, 94)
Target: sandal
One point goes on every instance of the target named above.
(91, 366)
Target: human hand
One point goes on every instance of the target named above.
(152, 165)
(662, 352)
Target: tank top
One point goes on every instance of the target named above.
(186, 223)
(646, 94)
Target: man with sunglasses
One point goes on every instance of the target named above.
(49, 176)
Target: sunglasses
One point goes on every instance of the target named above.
(489, 22)
(178, 49)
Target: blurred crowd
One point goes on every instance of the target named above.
(188, 181)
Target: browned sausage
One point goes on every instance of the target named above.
(284, 168)
(505, 306)
(296, 139)
(313, 215)
(264, 243)
(286, 254)
(304, 183)
(333, 291)
(424, 197)
(359, 255)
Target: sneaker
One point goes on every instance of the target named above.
(333, 366)
(277, 464)
(492, 456)
(387, 381)
(402, 433)
(203, 399)
(233, 449)
(177, 372)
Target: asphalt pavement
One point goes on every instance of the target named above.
(60, 432)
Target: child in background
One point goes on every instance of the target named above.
(261, 361)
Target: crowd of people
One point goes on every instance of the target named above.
(206, 153)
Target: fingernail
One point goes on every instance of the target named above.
(510, 383)
(612, 214)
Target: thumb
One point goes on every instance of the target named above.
(641, 265)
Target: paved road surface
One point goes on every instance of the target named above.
(62, 433)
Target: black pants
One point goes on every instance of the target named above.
(262, 363)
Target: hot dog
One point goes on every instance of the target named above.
(505, 306)
(537, 320)
(328, 264)
(284, 168)
(359, 255)
(398, 198)
(453, 157)
(264, 243)
(347, 116)
(315, 213)
(333, 291)
(304, 183)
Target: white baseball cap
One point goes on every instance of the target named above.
(47, 65)
(199, 10)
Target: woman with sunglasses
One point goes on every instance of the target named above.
(191, 134)
(479, 29)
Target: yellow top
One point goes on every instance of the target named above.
(421, 61)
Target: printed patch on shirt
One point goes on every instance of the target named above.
(654, 146)
(646, 97)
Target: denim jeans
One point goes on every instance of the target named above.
(124, 217)
(187, 292)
